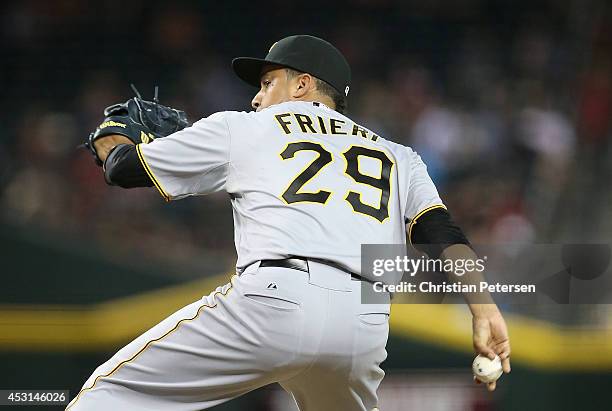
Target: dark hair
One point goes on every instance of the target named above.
(324, 88)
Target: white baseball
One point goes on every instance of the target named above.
(487, 370)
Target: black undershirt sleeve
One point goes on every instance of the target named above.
(123, 168)
(434, 231)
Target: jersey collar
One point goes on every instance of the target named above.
(314, 103)
(319, 104)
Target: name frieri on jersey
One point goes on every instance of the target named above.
(294, 122)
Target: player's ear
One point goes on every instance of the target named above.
(303, 85)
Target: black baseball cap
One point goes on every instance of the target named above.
(304, 53)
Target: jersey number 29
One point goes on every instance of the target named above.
(351, 156)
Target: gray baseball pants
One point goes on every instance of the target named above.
(307, 331)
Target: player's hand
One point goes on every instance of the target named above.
(138, 120)
(105, 144)
(490, 337)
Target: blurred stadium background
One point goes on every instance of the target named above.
(508, 102)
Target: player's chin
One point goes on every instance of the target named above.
(265, 105)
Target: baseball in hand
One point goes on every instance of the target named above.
(487, 370)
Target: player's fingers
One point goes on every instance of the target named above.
(477, 381)
(503, 351)
(491, 386)
(506, 364)
(485, 350)
(481, 347)
(481, 335)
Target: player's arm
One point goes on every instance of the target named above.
(489, 330)
(191, 161)
(114, 142)
(121, 164)
(105, 144)
(431, 228)
(435, 233)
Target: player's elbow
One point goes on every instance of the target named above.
(123, 168)
(114, 176)
(434, 231)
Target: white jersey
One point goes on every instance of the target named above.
(303, 179)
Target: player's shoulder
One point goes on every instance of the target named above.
(286, 114)
(286, 106)
(377, 139)
(399, 149)
(262, 117)
(235, 116)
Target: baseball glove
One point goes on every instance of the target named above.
(139, 120)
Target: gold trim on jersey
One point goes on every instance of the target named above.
(419, 214)
(157, 184)
(148, 344)
(349, 190)
(322, 189)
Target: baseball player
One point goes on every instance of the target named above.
(308, 186)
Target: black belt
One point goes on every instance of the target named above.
(301, 265)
